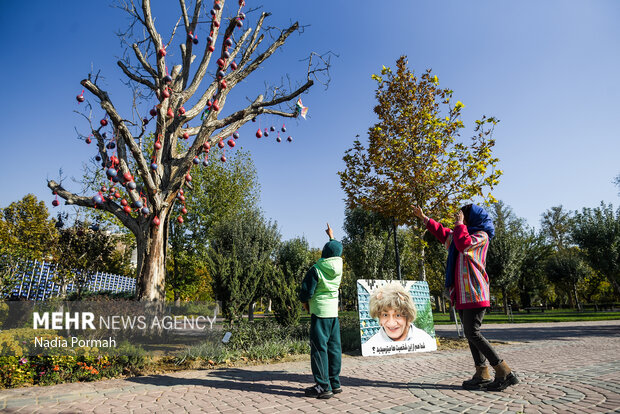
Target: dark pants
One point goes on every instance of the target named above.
(480, 348)
(325, 351)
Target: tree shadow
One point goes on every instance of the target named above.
(267, 382)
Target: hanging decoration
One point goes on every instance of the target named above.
(300, 109)
(80, 97)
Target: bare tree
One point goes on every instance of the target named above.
(162, 171)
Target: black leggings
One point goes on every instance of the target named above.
(480, 348)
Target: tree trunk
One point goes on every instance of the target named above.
(505, 299)
(400, 276)
(422, 266)
(576, 297)
(251, 312)
(152, 252)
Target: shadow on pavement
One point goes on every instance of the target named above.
(265, 382)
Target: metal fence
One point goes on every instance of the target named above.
(38, 280)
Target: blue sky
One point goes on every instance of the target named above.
(548, 70)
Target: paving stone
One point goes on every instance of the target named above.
(555, 374)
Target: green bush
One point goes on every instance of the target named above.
(350, 332)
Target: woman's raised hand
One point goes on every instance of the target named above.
(417, 211)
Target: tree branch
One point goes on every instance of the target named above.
(144, 62)
(126, 135)
(204, 63)
(110, 206)
(135, 77)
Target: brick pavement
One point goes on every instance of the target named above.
(563, 368)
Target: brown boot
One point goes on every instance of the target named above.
(504, 377)
(480, 379)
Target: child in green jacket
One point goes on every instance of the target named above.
(319, 294)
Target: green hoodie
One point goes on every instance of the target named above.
(324, 301)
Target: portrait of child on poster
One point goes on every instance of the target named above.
(395, 317)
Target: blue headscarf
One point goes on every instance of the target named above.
(478, 220)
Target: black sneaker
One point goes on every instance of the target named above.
(337, 390)
(317, 391)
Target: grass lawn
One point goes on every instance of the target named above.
(559, 315)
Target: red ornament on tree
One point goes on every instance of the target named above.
(166, 93)
(88, 140)
(206, 146)
(223, 84)
(170, 113)
(231, 143)
(181, 111)
(186, 135)
(211, 48)
(103, 122)
(184, 210)
(188, 177)
(124, 202)
(223, 158)
(233, 65)
(220, 144)
(80, 97)
(55, 203)
(127, 176)
(180, 219)
(162, 52)
(153, 111)
(127, 209)
(156, 221)
(259, 133)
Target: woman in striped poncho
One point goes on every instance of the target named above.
(468, 284)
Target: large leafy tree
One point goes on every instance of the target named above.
(367, 251)
(533, 282)
(506, 251)
(185, 103)
(26, 229)
(293, 259)
(26, 232)
(597, 232)
(557, 225)
(219, 192)
(83, 249)
(566, 269)
(415, 154)
(241, 260)
(366, 244)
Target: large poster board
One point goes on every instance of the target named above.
(395, 317)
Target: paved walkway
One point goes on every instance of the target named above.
(563, 367)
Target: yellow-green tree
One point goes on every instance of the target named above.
(26, 229)
(415, 154)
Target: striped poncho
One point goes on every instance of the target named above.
(471, 282)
